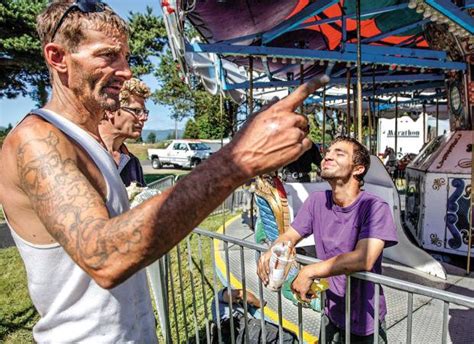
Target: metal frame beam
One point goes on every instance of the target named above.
(395, 32)
(397, 51)
(289, 24)
(341, 81)
(335, 56)
(450, 10)
(366, 14)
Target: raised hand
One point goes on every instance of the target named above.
(276, 135)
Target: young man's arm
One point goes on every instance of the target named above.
(111, 250)
(363, 258)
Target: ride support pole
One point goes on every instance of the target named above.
(374, 113)
(359, 76)
(324, 119)
(251, 210)
(250, 85)
(301, 83)
(424, 122)
(437, 116)
(348, 99)
(471, 201)
(396, 125)
(369, 114)
(355, 111)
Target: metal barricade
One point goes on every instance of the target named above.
(237, 200)
(163, 183)
(191, 291)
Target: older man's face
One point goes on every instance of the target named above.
(130, 118)
(98, 67)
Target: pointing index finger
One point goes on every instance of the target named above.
(295, 99)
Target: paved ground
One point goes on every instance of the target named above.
(427, 312)
(147, 169)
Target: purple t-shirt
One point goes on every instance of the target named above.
(337, 230)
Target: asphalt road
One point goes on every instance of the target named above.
(147, 169)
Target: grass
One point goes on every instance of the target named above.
(197, 307)
(18, 316)
(140, 149)
(2, 216)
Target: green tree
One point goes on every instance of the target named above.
(193, 101)
(191, 130)
(22, 70)
(151, 138)
(147, 40)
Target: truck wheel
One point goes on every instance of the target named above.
(195, 162)
(155, 163)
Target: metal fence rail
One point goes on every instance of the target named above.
(237, 200)
(163, 183)
(192, 290)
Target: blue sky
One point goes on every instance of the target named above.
(12, 110)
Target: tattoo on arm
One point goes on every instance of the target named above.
(75, 215)
(69, 207)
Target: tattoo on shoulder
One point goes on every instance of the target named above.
(69, 207)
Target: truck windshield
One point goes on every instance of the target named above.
(198, 146)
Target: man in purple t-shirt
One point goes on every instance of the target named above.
(351, 228)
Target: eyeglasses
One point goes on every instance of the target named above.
(136, 111)
(85, 6)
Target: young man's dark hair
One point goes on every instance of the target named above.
(361, 155)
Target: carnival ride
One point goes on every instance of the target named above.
(438, 192)
(385, 58)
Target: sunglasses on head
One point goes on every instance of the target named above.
(85, 6)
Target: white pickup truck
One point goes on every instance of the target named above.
(180, 153)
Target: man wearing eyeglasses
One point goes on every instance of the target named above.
(126, 123)
(68, 210)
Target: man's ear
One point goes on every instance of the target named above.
(55, 57)
(358, 170)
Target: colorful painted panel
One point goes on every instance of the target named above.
(457, 214)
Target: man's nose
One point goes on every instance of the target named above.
(123, 69)
(328, 156)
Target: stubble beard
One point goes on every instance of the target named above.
(104, 100)
(327, 175)
(107, 102)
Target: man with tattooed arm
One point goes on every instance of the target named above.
(83, 249)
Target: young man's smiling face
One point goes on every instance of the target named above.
(338, 161)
